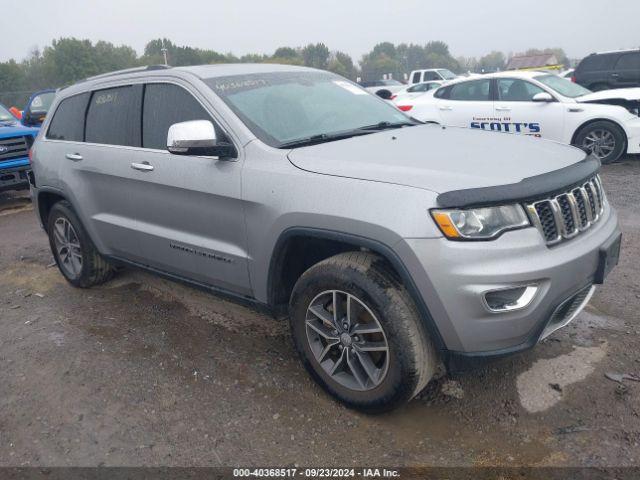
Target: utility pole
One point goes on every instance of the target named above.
(164, 53)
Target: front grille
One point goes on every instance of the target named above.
(14, 147)
(570, 213)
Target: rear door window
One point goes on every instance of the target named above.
(164, 105)
(476, 90)
(416, 77)
(113, 117)
(68, 121)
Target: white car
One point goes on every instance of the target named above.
(383, 88)
(537, 104)
(567, 73)
(414, 91)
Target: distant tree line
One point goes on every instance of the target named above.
(68, 60)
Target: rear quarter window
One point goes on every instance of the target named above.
(68, 120)
(114, 116)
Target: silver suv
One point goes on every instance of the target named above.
(395, 247)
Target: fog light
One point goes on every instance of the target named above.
(509, 299)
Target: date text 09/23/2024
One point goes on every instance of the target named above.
(315, 473)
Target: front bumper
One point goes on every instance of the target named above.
(452, 277)
(14, 174)
(633, 136)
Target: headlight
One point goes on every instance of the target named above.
(480, 223)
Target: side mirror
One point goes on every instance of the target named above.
(384, 94)
(543, 97)
(197, 137)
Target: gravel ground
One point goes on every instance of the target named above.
(143, 371)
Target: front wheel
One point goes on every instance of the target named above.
(359, 334)
(603, 139)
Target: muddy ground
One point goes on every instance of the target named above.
(143, 371)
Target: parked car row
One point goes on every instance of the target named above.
(537, 104)
(17, 132)
(387, 89)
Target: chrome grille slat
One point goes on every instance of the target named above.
(561, 227)
(587, 205)
(582, 208)
(575, 215)
(16, 147)
(595, 209)
(566, 215)
(599, 193)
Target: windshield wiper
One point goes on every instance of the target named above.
(322, 138)
(388, 125)
(330, 137)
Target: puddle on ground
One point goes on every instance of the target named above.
(439, 428)
(202, 304)
(540, 387)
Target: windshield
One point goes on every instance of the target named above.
(447, 74)
(563, 86)
(283, 107)
(5, 115)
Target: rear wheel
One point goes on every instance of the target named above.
(74, 252)
(603, 139)
(359, 334)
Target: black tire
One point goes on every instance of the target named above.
(412, 359)
(94, 267)
(603, 126)
(384, 94)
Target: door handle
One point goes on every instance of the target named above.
(615, 75)
(503, 109)
(143, 167)
(76, 157)
(446, 108)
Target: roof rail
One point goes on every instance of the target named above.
(623, 50)
(127, 70)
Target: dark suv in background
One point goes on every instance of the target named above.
(603, 71)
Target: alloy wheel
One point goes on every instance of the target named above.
(600, 142)
(347, 340)
(68, 247)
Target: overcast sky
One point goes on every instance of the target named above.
(470, 27)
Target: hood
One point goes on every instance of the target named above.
(626, 94)
(437, 159)
(14, 129)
